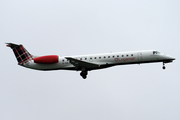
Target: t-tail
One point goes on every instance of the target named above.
(21, 54)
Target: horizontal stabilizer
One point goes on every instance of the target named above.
(12, 45)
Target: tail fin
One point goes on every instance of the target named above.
(22, 55)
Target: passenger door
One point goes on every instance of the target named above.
(140, 56)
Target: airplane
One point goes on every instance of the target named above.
(85, 63)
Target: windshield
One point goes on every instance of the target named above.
(156, 52)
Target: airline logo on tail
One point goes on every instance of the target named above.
(22, 55)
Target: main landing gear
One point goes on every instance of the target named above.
(84, 74)
(164, 66)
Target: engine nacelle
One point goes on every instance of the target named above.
(48, 59)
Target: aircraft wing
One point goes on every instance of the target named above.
(79, 63)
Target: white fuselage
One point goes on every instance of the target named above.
(104, 60)
(85, 63)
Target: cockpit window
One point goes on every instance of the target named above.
(156, 52)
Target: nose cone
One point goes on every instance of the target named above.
(170, 58)
(173, 58)
(167, 58)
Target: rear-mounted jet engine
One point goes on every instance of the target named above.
(48, 59)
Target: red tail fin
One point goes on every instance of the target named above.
(22, 55)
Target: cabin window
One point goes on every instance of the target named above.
(131, 54)
(80, 58)
(99, 57)
(108, 56)
(127, 55)
(94, 57)
(90, 57)
(117, 55)
(113, 56)
(85, 58)
(122, 55)
(63, 60)
(104, 56)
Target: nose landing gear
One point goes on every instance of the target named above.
(164, 66)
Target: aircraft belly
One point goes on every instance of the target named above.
(53, 66)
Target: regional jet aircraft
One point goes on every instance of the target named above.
(85, 63)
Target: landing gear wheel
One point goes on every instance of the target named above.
(84, 77)
(164, 67)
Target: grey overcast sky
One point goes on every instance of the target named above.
(72, 27)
